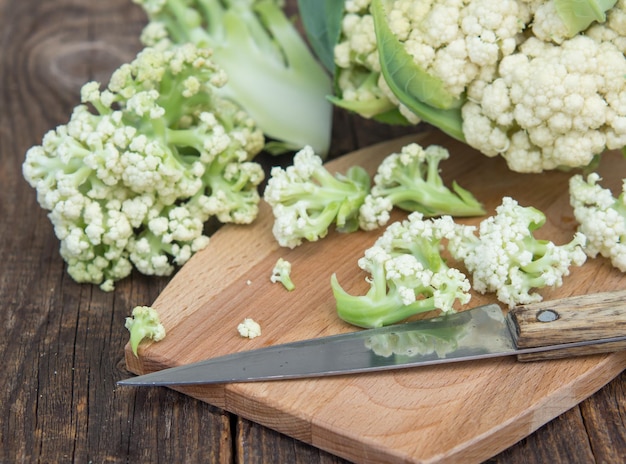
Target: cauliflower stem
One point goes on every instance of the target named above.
(378, 307)
(271, 72)
(306, 199)
(411, 180)
(407, 273)
(381, 108)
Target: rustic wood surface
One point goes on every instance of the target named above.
(62, 343)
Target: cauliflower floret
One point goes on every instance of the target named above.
(357, 6)
(601, 218)
(555, 21)
(410, 179)
(547, 23)
(140, 167)
(144, 323)
(408, 275)
(282, 273)
(374, 212)
(507, 259)
(360, 46)
(613, 29)
(306, 199)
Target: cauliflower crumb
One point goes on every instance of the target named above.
(249, 328)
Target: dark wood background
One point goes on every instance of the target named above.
(61, 343)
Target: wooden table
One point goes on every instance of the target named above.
(62, 343)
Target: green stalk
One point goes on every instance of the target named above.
(376, 308)
(434, 202)
(366, 108)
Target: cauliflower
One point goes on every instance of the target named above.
(507, 259)
(538, 82)
(141, 166)
(410, 179)
(306, 199)
(249, 328)
(282, 273)
(601, 218)
(144, 323)
(408, 275)
(453, 42)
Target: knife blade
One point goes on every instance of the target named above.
(571, 326)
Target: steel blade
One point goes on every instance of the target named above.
(477, 333)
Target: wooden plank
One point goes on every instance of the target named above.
(561, 441)
(60, 342)
(439, 413)
(605, 423)
(256, 444)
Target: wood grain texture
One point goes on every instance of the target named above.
(596, 316)
(62, 343)
(575, 319)
(447, 413)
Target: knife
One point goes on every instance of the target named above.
(567, 327)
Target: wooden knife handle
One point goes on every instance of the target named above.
(569, 320)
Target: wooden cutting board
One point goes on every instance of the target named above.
(464, 412)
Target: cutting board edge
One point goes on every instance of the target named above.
(612, 366)
(500, 437)
(356, 449)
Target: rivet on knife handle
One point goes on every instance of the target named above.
(569, 320)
